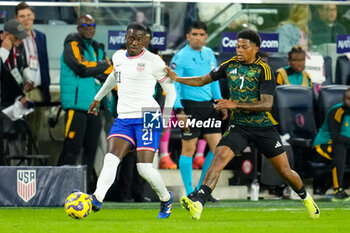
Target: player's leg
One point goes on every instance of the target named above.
(338, 163)
(185, 162)
(165, 161)
(222, 156)
(233, 141)
(213, 140)
(120, 140)
(117, 149)
(269, 143)
(198, 159)
(147, 141)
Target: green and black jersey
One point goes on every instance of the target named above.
(246, 83)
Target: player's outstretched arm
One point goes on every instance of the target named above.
(263, 105)
(170, 97)
(193, 81)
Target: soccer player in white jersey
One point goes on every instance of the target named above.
(136, 72)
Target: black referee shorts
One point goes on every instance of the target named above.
(266, 139)
(201, 112)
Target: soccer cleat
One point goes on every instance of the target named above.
(193, 207)
(165, 208)
(167, 163)
(96, 205)
(311, 207)
(198, 162)
(213, 199)
(340, 195)
(192, 196)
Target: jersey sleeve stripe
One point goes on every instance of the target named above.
(339, 114)
(231, 59)
(163, 79)
(76, 53)
(267, 70)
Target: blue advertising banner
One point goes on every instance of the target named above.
(159, 40)
(39, 185)
(343, 43)
(269, 42)
(117, 38)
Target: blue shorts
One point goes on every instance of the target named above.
(132, 130)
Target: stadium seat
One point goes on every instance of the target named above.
(328, 96)
(342, 70)
(276, 62)
(328, 70)
(293, 109)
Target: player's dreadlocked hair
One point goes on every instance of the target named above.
(250, 35)
(137, 26)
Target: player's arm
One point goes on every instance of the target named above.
(75, 59)
(263, 105)
(170, 96)
(110, 83)
(334, 120)
(193, 81)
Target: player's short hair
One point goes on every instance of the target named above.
(136, 26)
(149, 31)
(22, 6)
(250, 35)
(197, 25)
(295, 49)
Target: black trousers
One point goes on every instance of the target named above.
(81, 134)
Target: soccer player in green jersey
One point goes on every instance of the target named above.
(252, 88)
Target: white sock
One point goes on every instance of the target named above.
(153, 177)
(107, 176)
(198, 155)
(163, 155)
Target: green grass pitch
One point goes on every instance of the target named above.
(227, 216)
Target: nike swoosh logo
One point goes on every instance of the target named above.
(147, 143)
(317, 210)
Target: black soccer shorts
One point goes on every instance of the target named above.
(266, 139)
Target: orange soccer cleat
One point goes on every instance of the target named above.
(198, 162)
(167, 163)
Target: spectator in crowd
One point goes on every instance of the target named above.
(295, 31)
(13, 69)
(295, 73)
(252, 88)
(332, 143)
(196, 102)
(84, 66)
(37, 87)
(324, 27)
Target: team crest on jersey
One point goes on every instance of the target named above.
(173, 65)
(26, 184)
(251, 73)
(216, 69)
(141, 67)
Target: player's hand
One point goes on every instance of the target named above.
(28, 86)
(182, 117)
(172, 74)
(224, 114)
(94, 109)
(225, 104)
(7, 43)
